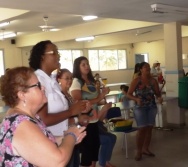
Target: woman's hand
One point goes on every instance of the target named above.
(107, 106)
(88, 106)
(160, 100)
(78, 131)
(83, 119)
(78, 107)
(105, 90)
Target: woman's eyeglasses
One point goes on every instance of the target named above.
(52, 52)
(37, 84)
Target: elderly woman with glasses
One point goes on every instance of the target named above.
(44, 59)
(24, 138)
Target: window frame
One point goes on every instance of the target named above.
(2, 71)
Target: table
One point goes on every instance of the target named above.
(112, 96)
(116, 84)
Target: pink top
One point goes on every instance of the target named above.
(7, 129)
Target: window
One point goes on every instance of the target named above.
(67, 58)
(103, 60)
(2, 69)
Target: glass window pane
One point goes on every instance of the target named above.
(67, 58)
(103, 60)
(108, 60)
(76, 54)
(2, 71)
(93, 60)
(122, 59)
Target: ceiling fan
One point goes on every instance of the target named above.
(141, 33)
(46, 27)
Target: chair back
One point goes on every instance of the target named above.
(113, 112)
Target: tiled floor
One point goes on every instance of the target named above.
(170, 147)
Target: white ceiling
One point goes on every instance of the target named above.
(65, 13)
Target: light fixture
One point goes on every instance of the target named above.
(7, 35)
(86, 18)
(163, 8)
(90, 38)
(4, 24)
(184, 56)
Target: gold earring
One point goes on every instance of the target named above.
(24, 103)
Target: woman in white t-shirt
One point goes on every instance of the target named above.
(83, 88)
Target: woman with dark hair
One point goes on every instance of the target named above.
(145, 88)
(24, 138)
(44, 59)
(136, 70)
(83, 88)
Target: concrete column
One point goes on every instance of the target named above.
(173, 57)
(174, 66)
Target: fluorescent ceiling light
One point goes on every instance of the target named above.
(54, 29)
(7, 35)
(85, 39)
(184, 56)
(86, 18)
(4, 24)
(163, 8)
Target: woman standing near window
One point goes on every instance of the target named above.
(83, 88)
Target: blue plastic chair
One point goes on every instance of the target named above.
(115, 112)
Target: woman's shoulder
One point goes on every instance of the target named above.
(76, 84)
(136, 80)
(15, 119)
(152, 80)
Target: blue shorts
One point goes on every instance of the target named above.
(145, 116)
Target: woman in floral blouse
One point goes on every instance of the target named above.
(24, 139)
(146, 90)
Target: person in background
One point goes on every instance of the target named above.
(107, 139)
(145, 88)
(83, 88)
(136, 70)
(24, 138)
(161, 83)
(44, 59)
(123, 95)
(154, 70)
(98, 78)
(99, 89)
(160, 78)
